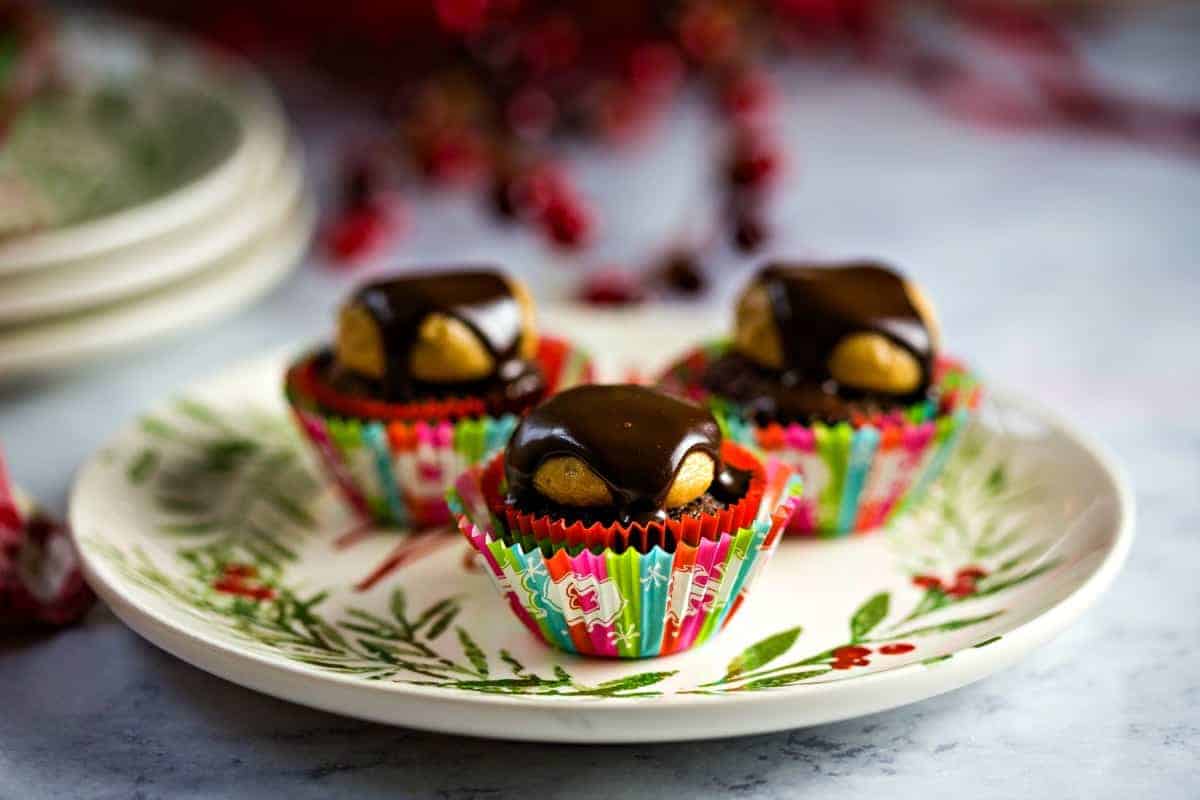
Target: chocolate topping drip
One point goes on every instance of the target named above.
(816, 307)
(634, 439)
(481, 299)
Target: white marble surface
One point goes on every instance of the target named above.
(1069, 269)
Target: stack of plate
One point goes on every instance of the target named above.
(160, 191)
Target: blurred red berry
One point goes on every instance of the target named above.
(971, 572)
(530, 113)
(755, 161)
(681, 273)
(813, 15)
(568, 222)
(550, 46)
(461, 16)
(654, 68)
(361, 231)
(453, 156)
(611, 287)
(749, 96)
(749, 232)
(503, 195)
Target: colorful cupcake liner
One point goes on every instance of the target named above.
(858, 475)
(629, 604)
(396, 470)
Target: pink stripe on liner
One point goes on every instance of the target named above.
(800, 438)
(588, 564)
(423, 433)
(711, 556)
(443, 436)
(805, 518)
(916, 438)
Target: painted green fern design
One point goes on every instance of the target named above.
(956, 559)
(233, 491)
(868, 638)
(234, 498)
(415, 647)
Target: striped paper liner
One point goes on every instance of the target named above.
(858, 475)
(629, 604)
(396, 471)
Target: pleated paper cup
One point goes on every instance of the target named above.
(858, 474)
(625, 601)
(393, 462)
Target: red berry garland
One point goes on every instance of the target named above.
(482, 89)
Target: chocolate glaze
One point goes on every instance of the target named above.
(480, 299)
(814, 308)
(634, 439)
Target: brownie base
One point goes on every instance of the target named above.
(501, 395)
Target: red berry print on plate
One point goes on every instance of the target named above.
(927, 582)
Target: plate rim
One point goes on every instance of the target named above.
(290, 237)
(429, 708)
(273, 195)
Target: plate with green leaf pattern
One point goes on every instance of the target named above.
(208, 532)
(144, 133)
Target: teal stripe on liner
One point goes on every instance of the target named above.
(862, 451)
(498, 433)
(374, 436)
(510, 562)
(536, 577)
(656, 586)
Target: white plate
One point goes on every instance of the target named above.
(202, 527)
(128, 52)
(271, 192)
(213, 292)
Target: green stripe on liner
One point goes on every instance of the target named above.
(469, 435)
(625, 571)
(834, 446)
(345, 433)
